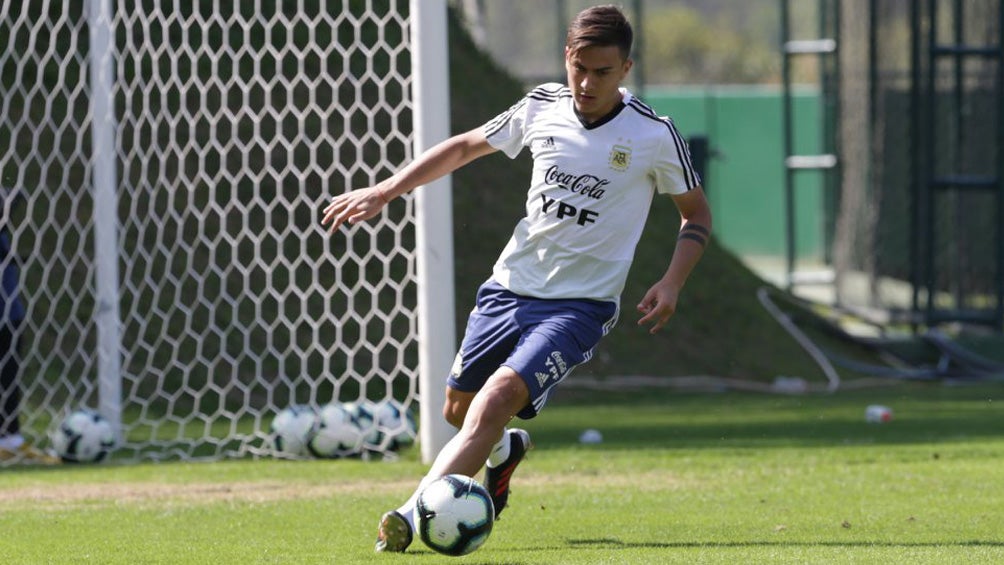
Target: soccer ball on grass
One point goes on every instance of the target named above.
(363, 415)
(455, 515)
(338, 433)
(395, 425)
(291, 429)
(84, 436)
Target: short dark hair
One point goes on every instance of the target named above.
(600, 26)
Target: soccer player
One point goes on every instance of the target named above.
(599, 157)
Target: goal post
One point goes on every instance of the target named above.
(104, 185)
(434, 212)
(173, 160)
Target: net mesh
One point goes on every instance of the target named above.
(945, 111)
(234, 122)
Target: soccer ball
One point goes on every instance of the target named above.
(363, 414)
(337, 435)
(455, 515)
(84, 436)
(291, 429)
(395, 424)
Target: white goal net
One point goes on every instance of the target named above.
(163, 165)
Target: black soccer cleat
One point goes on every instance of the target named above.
(497, 478)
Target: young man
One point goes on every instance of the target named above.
(599, 156)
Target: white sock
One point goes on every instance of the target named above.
(408, 508)
(500, 451)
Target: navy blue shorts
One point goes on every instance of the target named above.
(542, 340)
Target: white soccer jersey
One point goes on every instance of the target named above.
(590, 193)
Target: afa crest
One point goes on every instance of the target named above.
(620, 158)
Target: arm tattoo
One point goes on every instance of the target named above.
(694, 232)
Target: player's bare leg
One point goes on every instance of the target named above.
(484, 419)
(505, 454)
(489, 412)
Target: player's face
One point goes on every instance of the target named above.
(594, 76)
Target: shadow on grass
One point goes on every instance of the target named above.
(613, 543)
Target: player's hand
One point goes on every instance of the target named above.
(355, 206)
(658, 305)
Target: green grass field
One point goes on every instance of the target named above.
(681, 478)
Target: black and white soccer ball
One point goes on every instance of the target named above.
(395, 424)
(455, 515)
(83, 436)
(363, 415)
(291, 429)
(337, 434)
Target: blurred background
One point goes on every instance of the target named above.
(851, 150)
(173, 266)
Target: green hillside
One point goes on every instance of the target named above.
(720, 328)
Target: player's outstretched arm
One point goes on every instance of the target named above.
(659, 303)
(442, 159)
